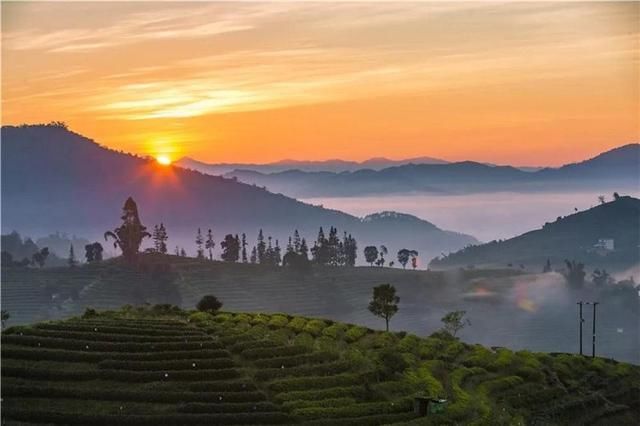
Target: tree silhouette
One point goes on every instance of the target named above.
(575, 273)
(209, 303)
(261, 247)
(601, 277)
(39, 258)
(210, 244)
(230, 248)
(199, 242)
(93, 252)
(162, 239)
(254, 255)
(71, 260)
(404, 255)
(370, 254)
(547, 266)
(382, 252)
(384, 303)
(454, 322)
(601, 199)
(616, 196)
(244, 248)
(130, 234)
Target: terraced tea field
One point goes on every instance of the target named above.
(160, 365)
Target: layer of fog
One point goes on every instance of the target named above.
(486, 216)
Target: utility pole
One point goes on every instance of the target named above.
(581, 320)
(593, 333)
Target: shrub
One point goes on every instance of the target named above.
(293, 361)
(145, 331)
(278, 321)
(315, 382)
(297, 324)
(308, 395)
(252, 344)
(89, 313)
(272, 352)
(314, 327)
(99, 336)
(259, 319)
(184, 364)
(223, 317)
(355, 333)
(332, 402)
(223, 387)
(209, 303)
(335, 331)
(410, 344)
(42, 416)
(355, 410)
(200, 317)
(304, 339)
(389, 363)
(242, 407)
(325, 369)
(422, 378)
(241, 318)
(87, 345)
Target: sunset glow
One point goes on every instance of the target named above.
(521, 83)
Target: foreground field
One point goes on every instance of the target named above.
(161, 365)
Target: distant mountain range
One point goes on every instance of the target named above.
(335, 165)
(618, 168)
(57, 180)
(607, 235)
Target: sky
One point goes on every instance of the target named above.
(541, 83)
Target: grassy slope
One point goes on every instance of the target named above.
(164, 366)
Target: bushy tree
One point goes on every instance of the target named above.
(130, 234)
(230, 248)
(40, 257)
(93, 252)
(370, 254)
(454, 322)
(209, 303)
(404, 255)
(382, 252)
(350, 250)
(575, 273)
(384, 303)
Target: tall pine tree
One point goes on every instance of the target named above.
(210, 244)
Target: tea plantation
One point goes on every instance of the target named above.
(161, 365)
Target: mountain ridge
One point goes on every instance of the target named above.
(86, 185)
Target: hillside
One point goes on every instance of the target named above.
(571, 237)
(56, 180)
(508, 307)
(160, 365)
(618, 168)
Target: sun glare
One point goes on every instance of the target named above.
(163, 159)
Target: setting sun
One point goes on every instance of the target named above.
(163, 159)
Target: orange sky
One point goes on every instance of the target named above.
(522, 83)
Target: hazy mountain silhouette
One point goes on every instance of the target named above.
(571, 237)
(54, 179)
(335, 165)
(618, 168)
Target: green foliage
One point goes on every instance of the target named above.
(200, 317)
(335, 331)
(297, 324)
(314, 327)
(384, 303)
(278, 321)
(424, 382)
(354, 333)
